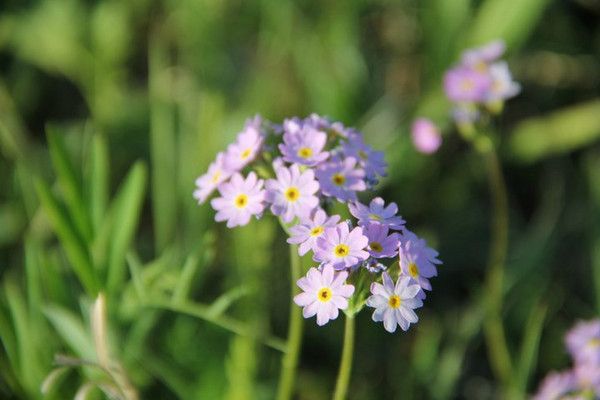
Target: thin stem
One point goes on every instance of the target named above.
(341, 386)
(494, 331)
(289, 362)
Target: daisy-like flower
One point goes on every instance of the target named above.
(341, 248)
(381, 245)
(245, 149)
(304, 146)
(394, 304)
(463, 84)
(324, 294)
(417, 261)
(310, 229)
(371, 160)
(425, 136)
(240, 199)
(556, 385)
(583, 342)
(377, 212)
(341, 179)
(207, 183)
(503, 86)
(292, 194)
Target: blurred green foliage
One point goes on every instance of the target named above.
(110, 109)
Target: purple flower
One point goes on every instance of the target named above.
(503, 87)
(588, 378)
(426, 136)
(304, 146)
(340, 247)
(245, 149)
(556, 385)
(377, 212)
(292, 194)
(463, 84)
(240, 199)
(371, 160)
(381, 245)
(324, 294)
(417, 261)
(341, 179)
(394, 304)
(306, 233)
(583, 342)
(208, 182)
(480, 56)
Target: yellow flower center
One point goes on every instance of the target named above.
(376, 247)
(305, 152)
(241, 201)
(292, 194)
(246, 153)
(413, 270)
(467, 85)
(316, 231)
(324, 294)
(338, 179)
(481, 67)
(363, 154)
(341, 250)
(216, 176)
(375, 217)
(394, 301)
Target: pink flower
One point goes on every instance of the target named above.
(426, 136)
(240, 199)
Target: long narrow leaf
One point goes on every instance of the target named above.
(98, 180)
(128, 205)
(530, 346)
(72, 330)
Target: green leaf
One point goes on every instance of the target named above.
(510, 20)
(126, 213)
(73, 244)
(69, 183)
(557, 133)
(222, 303)
(98, 180)
(530, 346)
(71, 329)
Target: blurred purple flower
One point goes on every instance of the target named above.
(371, 160)
(426, 136)
(583, 342)
(485, 54)
(464, 84)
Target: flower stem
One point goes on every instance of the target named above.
(343, 379)
(494, 331)
(289, 362)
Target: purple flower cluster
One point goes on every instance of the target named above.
(583, 380)
(305, 165)
(479, 80)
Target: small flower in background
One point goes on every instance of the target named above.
(341, 247)
(293, 193)
(381, 245)
(377, 212)
(426, 136)
(309, 230)
(394, 304)
(324, 294)
(417, 261)
(240, 199)
(583, 380)
(207, 183)
(479, 57)
(341, 179)
(464, 84)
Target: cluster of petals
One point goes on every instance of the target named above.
(417, 260)
(583, 380)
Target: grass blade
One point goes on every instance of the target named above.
(98, 180)
(71, 329)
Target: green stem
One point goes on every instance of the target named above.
(289, 362)
(341, 386)
(494, 331)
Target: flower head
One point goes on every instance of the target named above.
(556, 385)
(381, 245)
(425, 136)
(503, 86)
(394, 304)
(480, 56)
(417, 261)
(240, 199)
(292, 194)
(340, 247)
(341, 179)
(466, 84)
(245, 149)
(208, 182)
(304, 145)
(310, 229)
(583, 342)
(377, 212)
(371, 160)
(324, 294)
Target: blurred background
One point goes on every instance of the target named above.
(110, 109)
